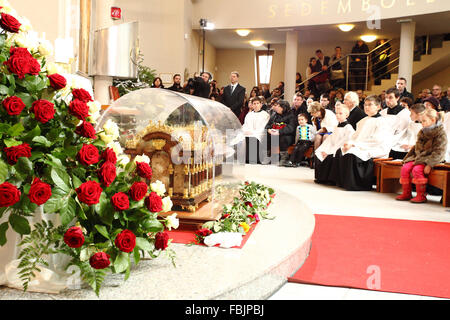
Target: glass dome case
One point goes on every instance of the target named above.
(188, 140)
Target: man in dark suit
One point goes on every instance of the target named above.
(234, 94)
(176, 83)
(201, 85)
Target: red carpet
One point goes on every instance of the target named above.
(188, 236)
(389, 255)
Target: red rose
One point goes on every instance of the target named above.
(82, 95)
(9, 23)
(40, 192)
(161, 240)
(144, 170)
(138, 190)
(89, 192)
(57, 81)
(88, 154)
(248, 203)
(100, 260)
(79, 109)
(153, 202)
(86, 129)
(9, 194)
(13, 105)
(74, 237)
(107, 173)
(15, 152)
(225, 216)
(120, 201)
(21, 62)
(125, 241)
(43, 110)
(109, 155)
(203, 232)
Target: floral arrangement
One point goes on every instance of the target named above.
(52, 158)
(249, 208)
(279, 125)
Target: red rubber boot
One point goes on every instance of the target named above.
(421, 188)
(406, 185)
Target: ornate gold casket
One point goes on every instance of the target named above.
(184, 136)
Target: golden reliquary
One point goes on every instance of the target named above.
(182, 158)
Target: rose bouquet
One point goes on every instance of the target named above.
(53, 158)
(249, 208)
(278, 126)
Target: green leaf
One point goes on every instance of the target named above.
(3, 229)
(24, 166)
(36, 131)
(143, 244)
(26, 98)
(152, 225)
(61, 179)
(11, 142)
(121, 262)
(102, 230)
(68, 211)
(15, 130)
(137, 255)
(3, 171)
(19, 224)
(4, 90)
(42, 141)
(53, 204)
(4, 127)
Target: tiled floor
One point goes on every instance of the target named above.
(331, 200)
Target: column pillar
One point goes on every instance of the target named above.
(290, 65)
(407, 38)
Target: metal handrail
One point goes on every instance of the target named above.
(346, 57)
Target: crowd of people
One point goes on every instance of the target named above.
(346, 130)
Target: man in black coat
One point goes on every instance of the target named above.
(176, 84)
(351, 100)
(234, 94)
(201, 85)
(401, 87)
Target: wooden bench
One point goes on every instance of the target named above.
(439, 177)
(377, 170)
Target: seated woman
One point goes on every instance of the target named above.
(408, 138)
(353, 165)
(324, 121)
(254, 129)
(281, 129)
(324, 155)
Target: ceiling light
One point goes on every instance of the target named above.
(257, 43)
(368, 38)
(346, 27)
(243, 32)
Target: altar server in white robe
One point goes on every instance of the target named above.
(324, 155)
(353, 165)
(397, 115)
(254, 130)
(408, 139)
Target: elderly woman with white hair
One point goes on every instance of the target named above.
(351, 100)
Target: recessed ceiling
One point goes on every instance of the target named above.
(436, 23)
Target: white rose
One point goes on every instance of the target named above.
(106, 138)
(116, 148)
(111, 129)
(142, 158)
(172, 220)
(123, 160)
(158, 187)
(94, 106)
(53, 68)
(45, 48)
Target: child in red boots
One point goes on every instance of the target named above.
(429, 151)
